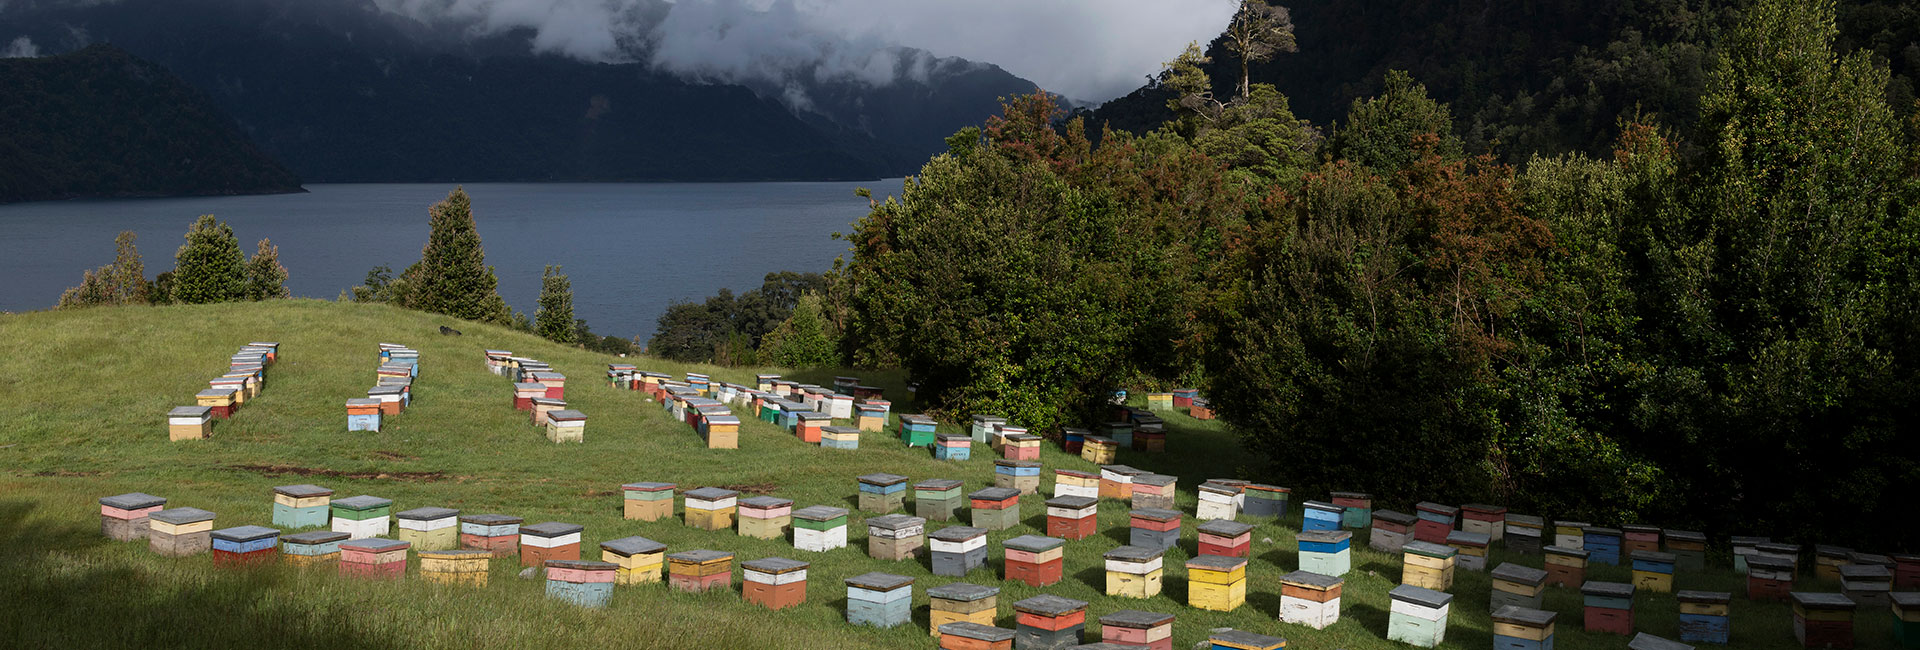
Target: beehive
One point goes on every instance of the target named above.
(620, 375)
(1827, 560)
(998, 436)
(1566, 567)
(1160, 401)
(1638, 537)
(556, 384)
(637, 560)
(499, 534)
(1072, 517)
(967, 635)
(566, 425)
(541, 407)
(840, 437)
(1022, 475)
(311, 548)
(1602, 544)
(1326, 552)
(1034, 560)
(808, 425)
(1116, 481)
(960, 602)
(882, 493)
(700, 570)
(1906, 619)
(1436, 521)
(938, 499)
(1215, 501)
(819, 528)
(1823, 620)
(550, 540)
(1427, 565)
(1418, 616)
(1320, 515)
(1153, 528)
(301, 506)
(362, 517)
(1471, 550)
(879, 599)
(1704, 616)
(774, 582)
(1121, 433)
(220, 402)
(982, 426)
(124, 517)
(722, 431)
(1202, 409)
(1241, 640)
(1356, 509)
(1781, 551)
(525, 391)
(895, 537)
(1073, 439)
(1049, 622)
(1769, 578)
(1744, 547)
(363, 414)
(956, 550)
(1132, 627)
(1524, 533)
(765, 517)
(1134, 571)
(373, 558)
(1153, 491)
(1652, 571)
(1484, 519)
(1866, 584)
(1310, 599)
(1098, 450)
(583, 583)
(190, 423)
(995, 508)
(1570, 534)
(1522, 628)
(648, 501)
(245, 545)
(455, 566)
(710, 508)
(1392, 529)
(871, 414)
(1075, 483)
(430, 529)
(1906, 571)
(1217, 583)
(952, 446)
(1609, 607)
(389, 396)
(1021, 446)
(916, 430)
(1644, 641)
(1517, 585)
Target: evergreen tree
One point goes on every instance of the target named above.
(452, 276)
(210, 267)
(124, 282)
(1380, 132)
(266, 278)
(554, 319)
(804, 340)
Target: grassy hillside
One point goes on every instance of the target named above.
(84, 418)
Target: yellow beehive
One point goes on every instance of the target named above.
(1217, 583)
(1429, 572)
(310, 560)
(1132, 585)
(639, 560)
(721, 519)
(465, 566)
(1704, 609)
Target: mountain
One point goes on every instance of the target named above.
(344, 92)
(99, 122)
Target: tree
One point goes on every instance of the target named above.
(124, 282)
(452, 276)
(554, 319)
(266, 278)
(1379, 132)
(209, 267)
(377, 287)
(1257, 33)
(804, 341)
(689, 331)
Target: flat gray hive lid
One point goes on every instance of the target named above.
(215, 392)
(883, 479)
(1562, 550)
(1519, 573)
(1821, 600)
(1395, 516)
(1437, 508)
(1481, 507)
(362, 502)
(1421, 596)
(1007, 462)
(1225, 528)
(765, 502)
(1869, 571)
(1907, 600)
(1769, 563)
(1526, 520)
(1156, 480)
(1641, 528)
(314, 537)
(1524, 616)
(711, 493)
(988, 418)
(303, 491)
(566, 415)
(582, 565)
(647, 486)
(376, 545)
(190, 411)
(178, 516)
(1645, 641)
(429, 513)
(548, 401)
(1049, 605)
(1156, 514)
(1122, 470)
(775, 565)
(839, 430)
(1319, 581)
(1134, 553)
(1429, 549)
(1324, 536)
(938, 484)
(994, 494)
(1072, 502)
(1034, 543)
(551, 529)
(1322, 506)
(699, 556)
(1749, 540)
(957, 533)
(1468, 538)
(976, 631)
(1216, 562)
(1242, 637)
(1606, 589)
(1601, 530)
(245, 533)
(1351, 495)
(1652, 556)
(1709, 597)
(635, 545)
(1779, 548)
(1136, 619)
(895, 522)
(878, 581)
(819, 513)
(962, 591)
(133, 501)
(491, 520)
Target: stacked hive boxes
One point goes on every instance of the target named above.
(1326, 552)
(1356, 508)
(1075, 483)
(455, 566)
(957, 550)
(1216, 502)
(938, 499)
(430, 529)
(125, 517)
(995, 508)
(1472, 548)
(1020, 446)
(1134, 571)
(620, 375)
(998, 437)
(916, 430)
(1609, 607)
(983, 426)
(1744, 547)
(774, 582)
(1427, 565)
(190, 422)
(1602, 544)
(1703, 616)
(1202, 409)
(1652, 571)
(541, 407)
(310, 548)
(882, 493)
(1160, 401)
(1224, 537)
(1034, 560)
(1524, 533)
(1484, 519)
(974, 636)
(1154, 528)
(1098, 450)
(840, 437)
(1823, 620)
(1320, 515)
(1217, 583)
(1135, 628)
(873, 414)
(1049, 622)
(1827, 560)
(1569, 534)
(1639, 537)
(1522, 628)
(1866, 584)
(1072, 517)
(1906, 619)
(1154, 491)
(1517, 585)
(587, 584)
(373, 558)
(550, 540)
(819, 528)
(1769, 578)
(1310, 599)
(566, 425)
(363, 414)
(1781, 551)
(700, 570)
(711, 508)
(808, 425)
(1073, 439)
(638, 560)
(1121, 433)
(1022, 475)
(1391, 530)
(648, 501)
(1436, 521)
(1116, 481)
(1239, 640)
(1906, 571)
(1566, 567)
(879, 599)
(362, 517)
(1418, 616)
(301, 506)
(497, 534)
(895, 537)
(960, 602)
(245, 545)
(765, 517)
(525, 392)
(1150, 437)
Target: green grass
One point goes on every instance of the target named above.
(84, 418)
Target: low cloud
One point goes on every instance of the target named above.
(20, 48)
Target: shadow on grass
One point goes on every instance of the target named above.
(54, 601)
(1373, 618)
(1093, 576)
(1121, 534)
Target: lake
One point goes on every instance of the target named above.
(631, 249)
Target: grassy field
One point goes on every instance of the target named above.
(84, 418)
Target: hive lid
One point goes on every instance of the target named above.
(711, 493)
(765, 502)
(548, 401)
(362, 502)
(1218, 488)
(962, 591)
(1216, 562)
(1484, 508)
(819, 513)
(1526, 520)
(566, 415)
(1601, 530)
(1156, 480)
(302, 491)
(957, 533)
(1071, 502)
(1049, 605)
(1311, 580)
(1907, 600)
(385, 390)
(215, 392)
(1778, 548)
(1022, 437)
(895, 522)
(1686, 536)
(878, 581)
(916, 419)
(839, 430)
(1323, 506)
(1034, 543)
(774, 565)
(812, 415)
(1249, 639)
(883, 479)
(1641, 528)
(245, 533)
(1156, 514)
(1075, 473)
(1225, 528)
(133, 501)
(1869, 571)
(1437, 508)
(179, 516)
(1134, 553)
(1519, 573)
(1008, 462)
(938, 484)
(1395, 516)
(988, 418)
(976, 631)
(363, 401)
(1821, 600)
(1857, 557)
(376, 544)
(1562, 550)
(491, 520)
(429, 513)
(1429, 549)
(528, 386)
(1708, 597)
(1122, 470)
(1749, 540)
(190, 411)
(582, 565)
(950, 436)
(1769, 562)
(1524, 616)
(1136, 619)
(1829, 550)
(1606, 589)
(699, 556)
(1421, 596)
(1644, 641)
(647, 486)
(994, 494)
(1468, 538)
(1324, 536)
(1350, 495)
(551, 529)
(1652, 556)
(314, 537)
(635, 545)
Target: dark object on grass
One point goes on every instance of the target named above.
(449, 331)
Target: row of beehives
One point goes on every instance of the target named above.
(392, 391)
(246, 375)
(542, 394)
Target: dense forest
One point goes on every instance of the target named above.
(100, 123)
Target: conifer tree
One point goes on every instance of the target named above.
(452, 276)
(124, 282)
(266, 278)
(554, 319)
(210, 267)
(804, 340)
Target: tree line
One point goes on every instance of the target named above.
(208, 268)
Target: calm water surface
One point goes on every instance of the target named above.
(630, 249)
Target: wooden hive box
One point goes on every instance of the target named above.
(1240, 640)
(499, 534)
(983, 426)
(638, 560)
(1418, 616)
(1392, 529)
(1225, 537)
(819, 528)
(1652, 571)
(1639, 537)
(180, 532)
(245, 546)
(1310, 599)
(872, 414)
(1073, 439)
(879, 599)
(550, 540)
(1134, 571)
(840, 406)
(1427, 565)
(1566, 567)
(960, 602)
(1150, 438)
(1523, 534)
(587, 584)
(774, 582)
(1906, 571)
(362, 517)
(1827, 560)
(363, 414)
(219, 401)
(1183, 397)
(1356, 509)
(1326, 552)
(997, 437)
(1644, 641)
(566, 425)
(1484, 519)
(916, 430)
(721, 432)
(1160, 401)
(710, 508)
(864, 392)
(1517, 585)
(1472, 549)
(882, 493)
(995, 508)
(952, 446)
(1217, 583)
(770, 411)
(556, 384)
(1704, 616)
(1154, 491)
(648, 501)
(1034, 560)
(376, 558)
(967, 635)
(430, 528)
(1153, 528)
(1769, 578)
(1049, 622)
(1609, 607)
(456, 566)
(840, 437)
(938, 499)
(956, 550)
(895, 537)
(1866, 584)
(1436, 521)
(619, 375)
(1075, 483)
(1906, 619)
(699, 382)
(273, 349)
(1022, 475)
(1215, 501)
(1202, 409)
(1320, 515)
(1151, 630)
(1780, 551)
(1116, 481)
(524, 393)
(237, 387)
(1072, 517)
(765, 517)
(700, 570)
(807, 425)
(311, 548)
(1570, 534)
(1098, 450)
(1522, 628)
(189, 423)
(302, 506)
(1239, 487)
(1021, 446)
(124, 517)
(1823, 620)
(542, 406)
(1602, 544)
(764, 383)
(389, 397)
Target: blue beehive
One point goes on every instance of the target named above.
(1602, 544)
(363, 414)
(1703, 616)
(587, 584)
(879, 599)
(1522, 628)
(245, 539)
(952, 446)
(1321, 515)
